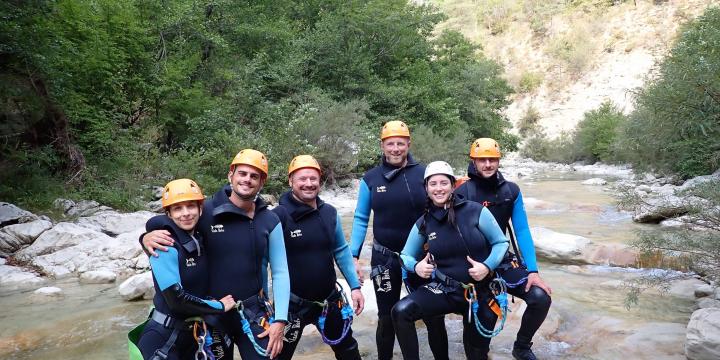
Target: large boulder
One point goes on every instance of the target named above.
(61, 236)
(86, 208)
(15, 277)
(656, 209)
(702, 341)
(558, 247)
(11, 214)
(98, 277)
(14, 237)
(114, 223)
(562, 248)
(594, 181)
(137, 287)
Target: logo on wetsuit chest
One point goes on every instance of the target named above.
(381, 189)
(432, 236)
(217, 228)
(190, 262)
(296, 233)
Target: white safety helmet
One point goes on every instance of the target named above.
(439, 167)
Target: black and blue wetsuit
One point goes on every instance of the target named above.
(505, 201)
(180, 277)
(475, 234)
(396, 196)
(239, 249)
(314, 242)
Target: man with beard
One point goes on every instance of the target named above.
(243, 236)
(504, 200)
(395, 193)
(315, 242)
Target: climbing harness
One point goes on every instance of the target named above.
(381, 273)
(264, 320)
(345, 310)
(203, 339)
(499, 305)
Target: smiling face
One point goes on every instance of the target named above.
(396, 150)
(246, 181)
(305, 184)
(486, 166)
(185, 214)
(439, 188)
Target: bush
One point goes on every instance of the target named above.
(674, 128)
(529, 123)
(574, 48)
(452, 146)
(694, 248)
(561, 149)
(529, 81)
(597, 133)
(497, 15)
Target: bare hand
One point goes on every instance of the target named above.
(534, 279)
(358, 271)
(478, 271)
(157, 240)
(423, 268)
(277, 333)
(358, 301)
(228, 302)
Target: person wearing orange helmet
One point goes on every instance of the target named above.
(244, 236)
(315, 243)
(503, 198)
(179, 277)
(393, 191)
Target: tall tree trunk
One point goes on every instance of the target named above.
(63, 143)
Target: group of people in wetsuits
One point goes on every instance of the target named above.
(447, 246)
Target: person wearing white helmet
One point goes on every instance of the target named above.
(464, 245)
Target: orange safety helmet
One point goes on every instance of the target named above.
(302, 162)
(181, 190)
(253, 158)
(394, 128)
(484, 148)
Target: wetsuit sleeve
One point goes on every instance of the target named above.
(165, 269)
(492, 232)
(412, 249)
(522, 234)
(280, 274)
(154, 223)
(343, 257)
(360, 220)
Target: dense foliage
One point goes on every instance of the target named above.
(676, 125)
(101, 99)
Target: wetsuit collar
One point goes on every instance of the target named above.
(223, 205)
(182, 236)
(391, 171)
(296, 208)
(440, 213)
(492, 182)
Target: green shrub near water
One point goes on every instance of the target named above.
(597, 133)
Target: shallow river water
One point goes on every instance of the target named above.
(588, 319)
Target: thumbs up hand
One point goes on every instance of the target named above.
(478, 270)
(423, 268)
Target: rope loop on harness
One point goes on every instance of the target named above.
(240, 307)
(498, 287)
(345, 311)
